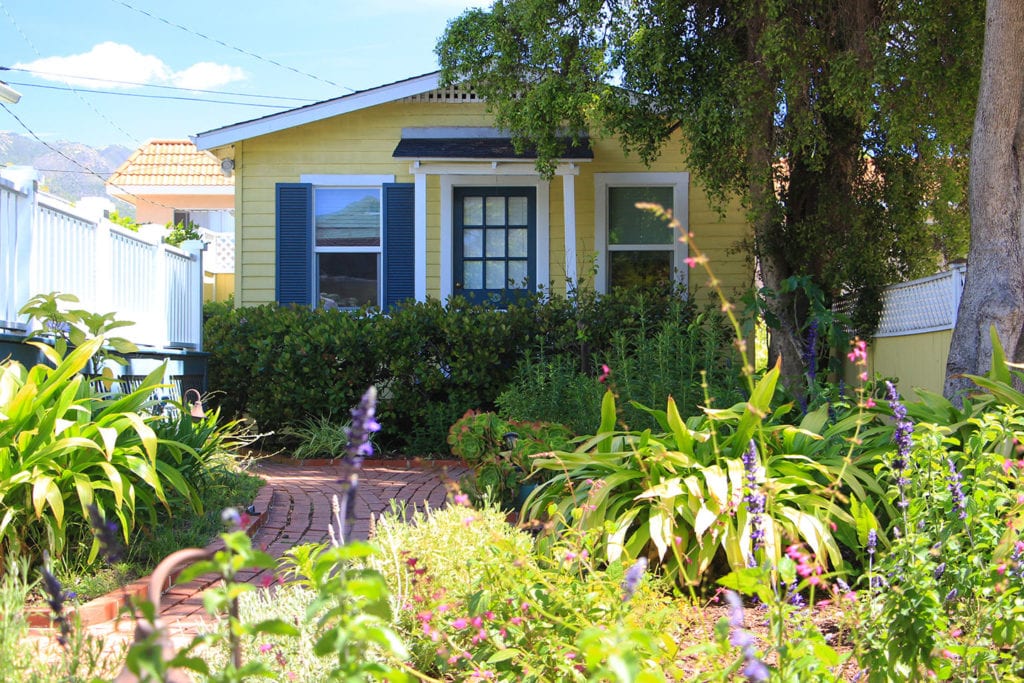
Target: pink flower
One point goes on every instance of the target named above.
(690, 261)
(858, 352)
(460, 623)
(461, 499)
(265, 648)
(605, 371)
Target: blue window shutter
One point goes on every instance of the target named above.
(399, 243)
(294, 243)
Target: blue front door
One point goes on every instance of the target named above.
(495, 243)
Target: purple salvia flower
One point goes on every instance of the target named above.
(811, 351)
(902, 437)
(632, 579)
(753, 669)
(956, 489)
(872, 542)
(364, 423)
(753, 497)
(106, 533)
(55, 597)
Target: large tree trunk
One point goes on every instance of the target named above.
(994, 290)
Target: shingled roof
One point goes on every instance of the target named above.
(170, 167)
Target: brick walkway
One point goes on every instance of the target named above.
(295, 508)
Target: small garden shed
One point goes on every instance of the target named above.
(408, 191)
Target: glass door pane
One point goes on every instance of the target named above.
(495, 243)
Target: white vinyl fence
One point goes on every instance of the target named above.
(48, 245)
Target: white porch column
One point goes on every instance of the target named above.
(420, 237)
(569, 217)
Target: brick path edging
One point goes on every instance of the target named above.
(292, 508)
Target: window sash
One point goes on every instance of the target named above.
(358, 194)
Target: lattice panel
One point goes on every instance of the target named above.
(924, 305)
(220, 255)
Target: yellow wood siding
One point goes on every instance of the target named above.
(913, 360)
(362, 143)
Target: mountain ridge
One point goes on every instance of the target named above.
(60, 175)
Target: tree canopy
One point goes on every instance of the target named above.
(843, 126)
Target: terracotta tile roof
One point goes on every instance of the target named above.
(172, 164)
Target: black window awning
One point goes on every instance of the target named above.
(482, 148)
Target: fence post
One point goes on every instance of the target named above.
(160, 309)
(194, 306)
(956, 281)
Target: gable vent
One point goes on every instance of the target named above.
(453, 94)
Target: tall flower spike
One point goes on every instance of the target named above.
(754, 498)
(106, 533)
(956, 489)
(364, 423)
(902, 436)
(632, 579)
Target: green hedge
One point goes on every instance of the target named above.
(431, 362)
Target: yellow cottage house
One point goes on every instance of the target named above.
(408, 191)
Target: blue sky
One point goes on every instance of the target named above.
(355, 44)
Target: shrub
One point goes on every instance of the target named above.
(282, 365)
(690, 359)
(495, 610)
(434, 362)
(501, 454)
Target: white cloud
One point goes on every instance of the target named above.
(207, 75)
(120, 62)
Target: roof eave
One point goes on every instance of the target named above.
(345, 104)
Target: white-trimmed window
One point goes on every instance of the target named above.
(634, 246)
(347, 246)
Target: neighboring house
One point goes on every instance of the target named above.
(170, 181)
(407, 191)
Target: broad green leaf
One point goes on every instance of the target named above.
(718, 485)
(684, 442)
(616, 539)
(660, 526)
(608, 418)
(705, 518)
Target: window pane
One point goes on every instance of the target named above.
(630, 225)
(349, 280)
(639, 268)
(495, 243)
(495, 275)
(473, 271)
(473, 211)
(517, 243)
(347, 217)
(495, 211)
(517, 274)
(473, 243)
(517, 211)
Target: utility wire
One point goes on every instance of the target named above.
(151, 97)
(76, 162)
(153, 85)
(84, 101)
(232, 47)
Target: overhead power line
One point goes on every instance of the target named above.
(154, 85)
(151, 97)
(231, 47)
(86, 102)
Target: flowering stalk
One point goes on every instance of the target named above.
(55, 597)
(902, 437)
(364, 424)
(754, 499)
(753, 668)
(632, 579)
